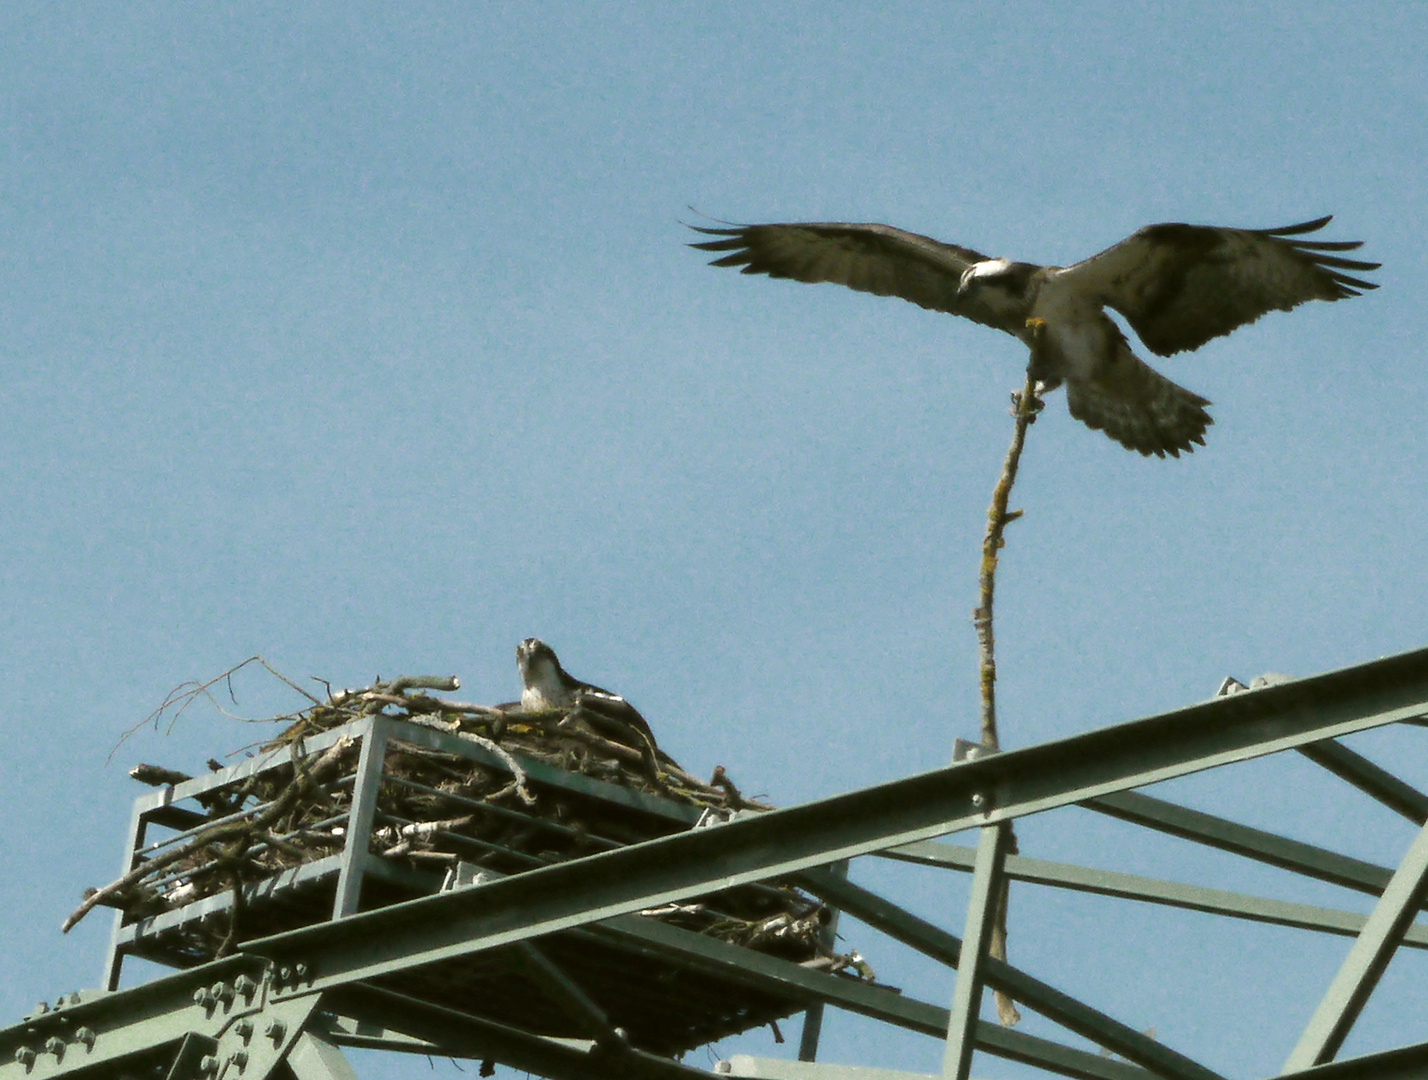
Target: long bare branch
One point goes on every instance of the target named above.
(1025, 405)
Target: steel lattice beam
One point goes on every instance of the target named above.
(1244, 840)
(1403, 1063)
(933, 941)
(981, 915)
(772, 974)
(1149, 890)
(596, 895)
(1366, 961)
(813, 1015)
(224, 1012)
(465, 1035)
(1369, 778)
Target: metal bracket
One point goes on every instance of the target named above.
(315, 1058)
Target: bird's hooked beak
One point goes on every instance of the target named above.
(533, 656)
(529, 652)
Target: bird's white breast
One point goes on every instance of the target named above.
(544, 688)
(1078, 333)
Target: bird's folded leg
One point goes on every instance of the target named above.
(1038, 368)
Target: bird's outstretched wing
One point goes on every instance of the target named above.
(876, 259)
(1181, 285)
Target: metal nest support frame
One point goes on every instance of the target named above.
(662, 1006)
(288, 1001)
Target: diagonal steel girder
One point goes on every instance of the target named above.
(981, 916)
(780, 842)
(1149, 890)
(562, 1059)
(933, 941)
(1371, 779)
(773, 975)
(1401, 1063)
(1243, 840)
(463, 1034)
(1367, 959)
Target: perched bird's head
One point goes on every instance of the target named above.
(540, 670)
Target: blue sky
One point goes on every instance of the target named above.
(364, 338)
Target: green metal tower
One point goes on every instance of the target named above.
(534, 969)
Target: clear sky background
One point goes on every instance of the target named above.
(363, 337)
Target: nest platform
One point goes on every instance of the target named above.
(333, 818)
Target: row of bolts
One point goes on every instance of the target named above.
(207, 998)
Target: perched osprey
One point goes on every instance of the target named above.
(1177, 285)
(546, 685)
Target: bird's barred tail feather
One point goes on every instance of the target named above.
(1140, 408)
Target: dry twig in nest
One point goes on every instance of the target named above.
(241, 830)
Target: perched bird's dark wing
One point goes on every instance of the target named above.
(876, 259)
(1181, 285)
(577, 684)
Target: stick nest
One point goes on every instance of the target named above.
(440, 815)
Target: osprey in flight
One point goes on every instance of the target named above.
(1177, 285)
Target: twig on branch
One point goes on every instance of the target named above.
(1025, 405)
(185, 694)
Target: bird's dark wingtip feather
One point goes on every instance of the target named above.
(1299, 229)
(720, 245)
(1351, 285)
(714, 232)
(1344, 264)
(1328, 245)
